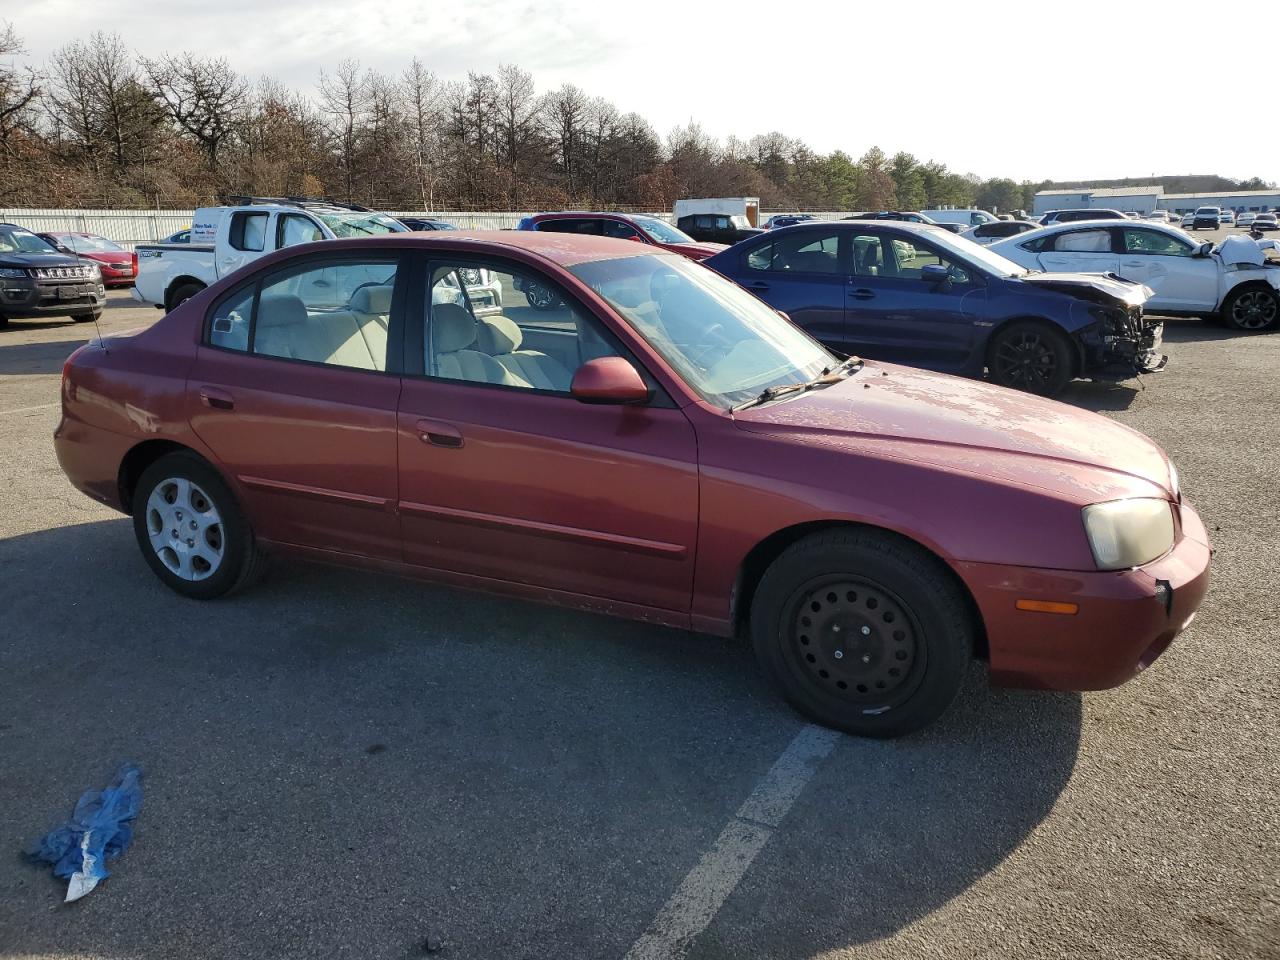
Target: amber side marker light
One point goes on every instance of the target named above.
(1047, 606)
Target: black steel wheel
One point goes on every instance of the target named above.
(1031, 357)
(1252, 309)
(863, 631)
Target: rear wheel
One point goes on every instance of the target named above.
(1252, 309)
(863, 632)
(1032, 357)
(183, 293)
(190, 529)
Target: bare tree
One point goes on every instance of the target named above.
(517, 126)
(345, 99)
(19, 88)
(205, 98)
(564, 114)
(420, 99)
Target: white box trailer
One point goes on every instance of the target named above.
(748, 207)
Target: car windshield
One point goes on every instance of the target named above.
(17, 240)
(661, 232)
(361, 224)
(87, 244)
(976, 253)
(726, 344)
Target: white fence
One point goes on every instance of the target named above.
(130, 227)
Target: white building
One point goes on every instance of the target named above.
(1148, 197)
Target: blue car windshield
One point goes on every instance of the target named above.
(977, 254)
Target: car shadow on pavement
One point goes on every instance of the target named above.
(340, 764)
(1100, 395)
(35, 358)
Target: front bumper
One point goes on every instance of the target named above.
(38, 298)
(1129, 348)
(1125, 618)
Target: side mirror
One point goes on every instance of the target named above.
(636, 237)
(608, 380)
(935, 273)
(1204, 249)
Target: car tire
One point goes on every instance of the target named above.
(1030, 356)
(191, 530)
(862, 631)
(86, 317)
(183, 293)
(1253, 308)
(4, 321)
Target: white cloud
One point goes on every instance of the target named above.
(999, 88)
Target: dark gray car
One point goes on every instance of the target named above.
(38, 281)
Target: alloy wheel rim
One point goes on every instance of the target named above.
(185, 529)
(1254, 310)
(1026, 360)
(856, 642)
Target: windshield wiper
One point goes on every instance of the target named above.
(828, 376)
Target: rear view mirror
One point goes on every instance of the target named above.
(935, 273)
(608, 380)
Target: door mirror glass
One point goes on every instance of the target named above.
(1204, 249)
(935, 273)
(608, 380)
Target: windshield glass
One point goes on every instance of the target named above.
(660, 231)
(722, 341)
(361, 224)
(17, 240)
(90, 244)
(976, 253)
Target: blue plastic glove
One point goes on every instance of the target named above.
(99, 830)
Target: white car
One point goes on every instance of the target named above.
(986, 233)
(1159, 216)
(1188, 278)
(1187, 220)
(1246, 219)
(1227, 218)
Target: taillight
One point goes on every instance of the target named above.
(135, 264)
(68, 388)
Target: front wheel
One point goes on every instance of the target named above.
(863, 632)
(190, 529)
(1252, 309)
(1032, 357)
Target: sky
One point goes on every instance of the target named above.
(992, 88)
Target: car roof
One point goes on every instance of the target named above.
(923, 229)
(586, 213)
(564, 249)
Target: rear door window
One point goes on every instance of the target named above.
(248, 231)
(805, 251)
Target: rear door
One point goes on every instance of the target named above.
(294, 389)
(1086, 249)
(802, 271)
(892, 313)
(1168, 265)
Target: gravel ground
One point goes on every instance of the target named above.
(344, 765)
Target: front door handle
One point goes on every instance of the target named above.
(216, 399)
(439, 434)
(757, 285)
(1133, 263)
(862, 293)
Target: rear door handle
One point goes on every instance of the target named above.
(1133, 263)
(862, 293)
(757, 285)
(217, 399)
(439, 434)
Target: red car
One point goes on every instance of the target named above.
(623, 226)
(118, 265)
(664, 447)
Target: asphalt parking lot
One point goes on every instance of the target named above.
(345, 765)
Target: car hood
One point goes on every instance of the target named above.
(697, 250)
(972, 427)
(38, 260)
(1093, 286)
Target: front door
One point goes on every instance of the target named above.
(505, 476)
(896, 315)
(291, 391)
(1167, 264)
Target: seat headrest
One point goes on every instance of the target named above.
(372, 300)
(499, 335)
(452, 328)
(281, 311)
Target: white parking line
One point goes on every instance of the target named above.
(707, 886)
(43, 406)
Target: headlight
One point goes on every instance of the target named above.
(13, 273)
(1128, 533)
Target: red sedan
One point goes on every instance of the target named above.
(118, 265)
(663, 446)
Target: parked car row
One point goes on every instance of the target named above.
(665, 446)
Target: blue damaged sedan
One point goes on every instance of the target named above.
(921, 296)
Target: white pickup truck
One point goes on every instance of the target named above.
(223, 239)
